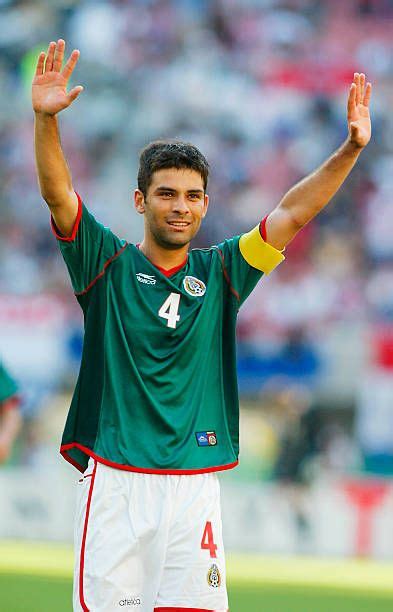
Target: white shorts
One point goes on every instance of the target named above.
(148, 543)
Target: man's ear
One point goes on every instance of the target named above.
(205, 205)
(139, 201)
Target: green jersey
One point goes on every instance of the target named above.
(157, 388)
(8, 387)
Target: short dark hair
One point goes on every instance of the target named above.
(161, 154)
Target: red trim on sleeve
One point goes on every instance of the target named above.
(226, 276)
(131, 468)
(262, 228)
(11, 403)
(106, 264)
(71, 238)
(83, 546)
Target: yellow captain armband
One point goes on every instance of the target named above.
(258, 253)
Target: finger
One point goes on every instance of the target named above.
(74, 93)
(362, 77)
(71, 63)
(49, 57)
(367, 94)
(356, 78)
(351, 99)
(59, 54)
(40, 64)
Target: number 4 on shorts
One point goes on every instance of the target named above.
(207, 542)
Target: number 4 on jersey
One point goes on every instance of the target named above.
(208, 540)
(169, 310)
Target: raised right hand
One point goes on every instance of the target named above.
(49, 87)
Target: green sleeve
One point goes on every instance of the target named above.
(89, 248)
(8, 387)
(240, 276)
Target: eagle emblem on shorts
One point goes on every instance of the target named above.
(194, 286)
(214, 576)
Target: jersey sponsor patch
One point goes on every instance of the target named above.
(206, 438)
(214, 576)
(194, 286)
(146, 279)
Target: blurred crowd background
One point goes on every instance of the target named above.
(260, 86)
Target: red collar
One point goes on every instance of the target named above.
(164, 271)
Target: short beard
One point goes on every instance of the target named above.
(160, 239)
(166, 244)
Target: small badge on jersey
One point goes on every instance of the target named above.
(214, 576)
(194, 286)
(206, 438)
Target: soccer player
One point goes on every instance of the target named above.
(154, 415)
(10, 419)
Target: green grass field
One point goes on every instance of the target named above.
(37, 578)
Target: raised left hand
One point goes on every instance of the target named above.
(5, 448)
(359, 123)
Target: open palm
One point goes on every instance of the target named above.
(49, 87)
(359, 123)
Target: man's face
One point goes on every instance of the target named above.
(174, 206)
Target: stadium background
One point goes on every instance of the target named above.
(260, 86)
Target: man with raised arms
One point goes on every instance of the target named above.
(155, 411)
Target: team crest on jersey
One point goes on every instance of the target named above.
(214, 576)
(146, 279)
(194, 286)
